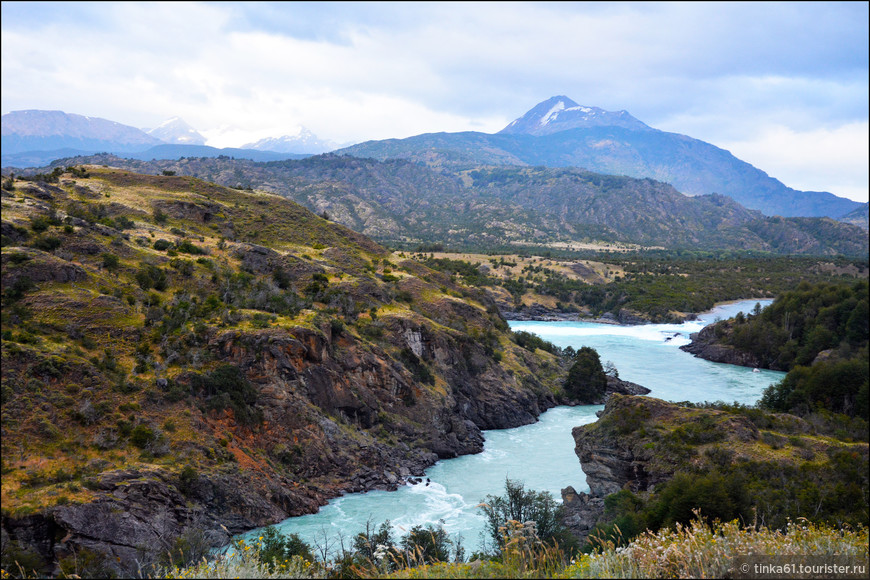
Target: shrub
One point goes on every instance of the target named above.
(188, 247)
(160, 217)
(149, 276)
(278, 547)
(426, 544)
(47, 243)
(142, 435)
(110, 262)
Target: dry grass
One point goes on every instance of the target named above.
(702, 550)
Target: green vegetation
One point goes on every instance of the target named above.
(660, 286)
(586, 379)
(700, 549)
(408, 205)
(262, 349)
(524, 506)
(803, 322)
(126, 353)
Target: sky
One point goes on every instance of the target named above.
(782, 85)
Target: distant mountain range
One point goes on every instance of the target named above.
(35, 138)
(35, 130)
(560, 133)
(556, 133)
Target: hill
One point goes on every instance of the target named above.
(406, 205)
(206, 360)
(560, 133)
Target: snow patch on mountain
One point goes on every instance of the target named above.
(560, 106)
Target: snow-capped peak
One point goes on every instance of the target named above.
(562, 114)
(176, 131)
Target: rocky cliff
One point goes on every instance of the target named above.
(667, 460)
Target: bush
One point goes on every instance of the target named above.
(47, 243)
(187, 247)
(278, 547)
(426, 544)
(149, 276)
(532, 342)
(110, 262)
(142, 435)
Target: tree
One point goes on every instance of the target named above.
(427, 544)
(587, 381)
(521, 505)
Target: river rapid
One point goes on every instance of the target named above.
(540, 455)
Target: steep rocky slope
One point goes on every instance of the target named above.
(184, 361)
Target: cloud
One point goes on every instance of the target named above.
(826, 159)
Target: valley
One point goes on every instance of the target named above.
(195, 347)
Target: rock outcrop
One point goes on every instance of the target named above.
(705, 345)
(627, 448)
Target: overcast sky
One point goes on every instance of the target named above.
(783, 86)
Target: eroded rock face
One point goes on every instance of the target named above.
(39, 266)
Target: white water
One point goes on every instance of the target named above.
(541, 455)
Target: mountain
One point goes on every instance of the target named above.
(560, 133)
(561, 113)
(35, 130)
(302, 141)
(175, 131)
(405, 204)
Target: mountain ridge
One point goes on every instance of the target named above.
(176, 131)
